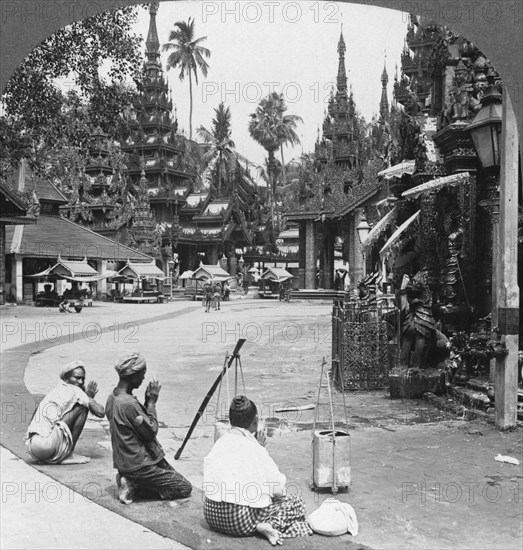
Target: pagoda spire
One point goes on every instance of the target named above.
(342, 75)
(152, 44)
(384, 103)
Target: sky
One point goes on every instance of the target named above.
(288, 47)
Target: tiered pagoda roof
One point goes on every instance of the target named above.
(340, 127)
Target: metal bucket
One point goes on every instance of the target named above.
(331, 459)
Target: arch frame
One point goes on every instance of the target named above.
(494, 26)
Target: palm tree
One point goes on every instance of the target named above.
(222, 161)
(188, 55)
(271, 128)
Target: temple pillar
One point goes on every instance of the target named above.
(492, 206)
(310, 255)
(506, 379)
(102, 285)
(18, 278)
(327, 259)
(356, 258)
(230, 252)
(301, 254)
(212, 255)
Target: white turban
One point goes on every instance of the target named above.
(70, 367)
(129, 364)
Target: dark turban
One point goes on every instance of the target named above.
(129, 364)
(242, 411)
(70, 367)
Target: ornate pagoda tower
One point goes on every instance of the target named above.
(158, 155)
(100, 172)
(94, 202)
(340, 127)
(143, 222)
(384, 102)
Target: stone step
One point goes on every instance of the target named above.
(471, 398)
(448, 404)
(451, 405)
(481, 384)
(310, 294)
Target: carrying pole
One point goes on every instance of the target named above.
(209, 394)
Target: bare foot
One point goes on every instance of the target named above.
(75, 459)
(125, 490)
(268, 531)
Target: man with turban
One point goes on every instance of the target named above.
(137, 454)
(60, 418)
(244, 489)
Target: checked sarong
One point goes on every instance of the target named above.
(286, 516)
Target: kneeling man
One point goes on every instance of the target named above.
(60, 418)
(137, 454)
(244, 489)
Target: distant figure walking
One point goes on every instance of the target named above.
(216, 294)
(208, 294)
(226, 291)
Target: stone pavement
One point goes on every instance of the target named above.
(420, 478)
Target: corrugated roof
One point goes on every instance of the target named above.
(53, 236)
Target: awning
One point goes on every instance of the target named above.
(141, 271)
(207, 272)
(277, 274)
(105, 275)
(186, 274)
(435, 185)
(389, 245)
(42, 274)
(380, 227)
(396, 171)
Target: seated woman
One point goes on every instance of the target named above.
(60, 418)
(244, 489)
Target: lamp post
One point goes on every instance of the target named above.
(485, 129)
(497, 145)
(363, 229)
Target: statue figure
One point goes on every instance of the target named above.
(419, 324)
(462, 92)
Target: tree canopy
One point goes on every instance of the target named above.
(89, 64)
(188, 55)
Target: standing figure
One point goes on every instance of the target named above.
(226, 291)
(216, 295)
(207, 296)
(244, 489)
(137, 454)
(419, 324)
(60, 418)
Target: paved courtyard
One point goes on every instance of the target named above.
(420, 478)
